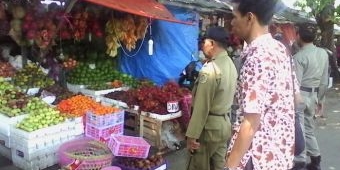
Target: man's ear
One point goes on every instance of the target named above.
(250, 16)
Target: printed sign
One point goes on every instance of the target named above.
(172, 106)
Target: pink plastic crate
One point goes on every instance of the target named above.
(129, 146)
(103, 133)
(105, 120)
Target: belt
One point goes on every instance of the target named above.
(214, 114)
(309, 89)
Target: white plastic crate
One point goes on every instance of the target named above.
(6, 123)
(105, 120)
(6, 152)
(38, 163)
(5, 140)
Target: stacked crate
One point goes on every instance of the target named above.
(100, 127)
(37, 150)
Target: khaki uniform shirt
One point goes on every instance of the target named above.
(213, 92)
(311, 64)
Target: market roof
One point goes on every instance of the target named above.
(146, 8)
(201, 5)
(292, 15)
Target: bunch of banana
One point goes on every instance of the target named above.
(126, 30)
(142, 25)
(112, 27)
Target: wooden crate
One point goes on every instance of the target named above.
(151, 129)
(131, 120)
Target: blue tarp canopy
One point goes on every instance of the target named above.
(174, 45)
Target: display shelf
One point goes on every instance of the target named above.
(98, 92)
(74, 88)
(164, 117)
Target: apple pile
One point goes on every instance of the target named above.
(41, 115)
(13, 102)
(32, 76)
(4, 85)
(6, 70)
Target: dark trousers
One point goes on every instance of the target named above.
(249, 165)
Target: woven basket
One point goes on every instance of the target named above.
(85, 154)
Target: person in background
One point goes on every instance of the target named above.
(312, 73)
(209, 128)
(264, 133)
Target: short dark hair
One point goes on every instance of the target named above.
(263, 9)
(307, 32)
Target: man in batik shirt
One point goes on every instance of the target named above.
(264, 133)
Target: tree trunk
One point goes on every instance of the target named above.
(326, 25)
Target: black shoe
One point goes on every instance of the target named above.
(314, 164)
(299, 166)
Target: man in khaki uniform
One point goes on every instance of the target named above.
(209, 127)
(312, 73)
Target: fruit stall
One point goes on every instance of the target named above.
(71, 98)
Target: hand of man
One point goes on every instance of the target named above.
(192, 144)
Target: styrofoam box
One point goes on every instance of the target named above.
(6, 140)
(105, 120)
(74, 88)
(30, 144)
(165, 117)
(38, 163)
(6, 123)
(6, 152)
(109, 102)
(98, 92)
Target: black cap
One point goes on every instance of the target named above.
(217, 34)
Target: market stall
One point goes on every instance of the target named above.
(84, 69)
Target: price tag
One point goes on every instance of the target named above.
(172, 106)
(32, 91)
(92, 66)
(163, 167)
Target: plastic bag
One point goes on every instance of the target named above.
(168, 136)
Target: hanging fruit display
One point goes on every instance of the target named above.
(40, 29)
(126, 30)
(80, 25)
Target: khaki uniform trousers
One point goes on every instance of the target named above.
(213, 145)
(306, 112)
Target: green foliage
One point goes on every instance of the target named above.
(316, 7)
